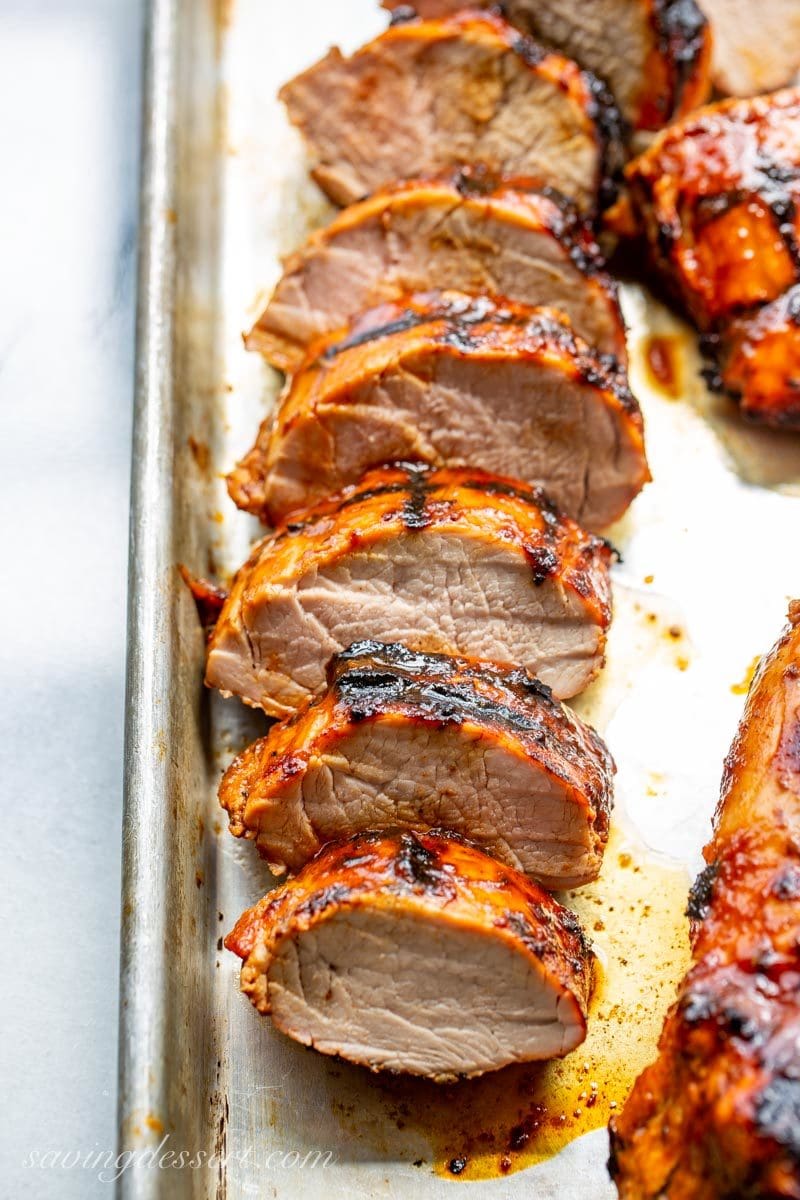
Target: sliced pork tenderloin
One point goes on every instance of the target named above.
(450, 380)
(416, 952)
(756, 47)
(469, 232)
(445, 561)
(420, 741)
(653, 54)
(427, 96)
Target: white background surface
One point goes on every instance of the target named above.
(69, 128)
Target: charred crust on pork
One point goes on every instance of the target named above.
(701, 892)
(682, 30)
(468, 324)
(777, 1113)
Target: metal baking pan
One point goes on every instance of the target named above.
(214, 1103)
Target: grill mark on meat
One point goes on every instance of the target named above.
(408, 320)
(682, 31)
(544, 563)
(701, 893)
(414, 515)
(418, 864)
(332, 896)
(614, 132)
(368, 692)
(777, 1114)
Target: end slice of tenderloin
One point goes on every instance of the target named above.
(427, 96)
(423, 741)
(719, 197)
(653, 54)
(756, 48)
(758, 356)
(416, 952)
(449, 379)
(454, 562)
(469, 232)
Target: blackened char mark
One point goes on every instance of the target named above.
(403, 14)
(414, 515)
(614, 133)
(424, 309)
(681, 30)
(793, 305)
(532, 686)
(420, 867)
(395, 654)
(701, 893)
(369, 691)
(521, 927)
(454, 702)
(786, 883)
(529, 51)
(777, 1114)
(407, 320)
(544, 563)
(781, 202)
(327, 897)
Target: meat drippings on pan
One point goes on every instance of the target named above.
(524, 1115)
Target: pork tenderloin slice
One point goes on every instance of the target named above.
(419, 741)
(427, 96)
(448, 379)
(469, 233)
(653, 54)
(718, 195)
(454, 562)
(756, 48)
(417, 953)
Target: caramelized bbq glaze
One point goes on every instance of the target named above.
(506, 711)
(718, 1113)
(349, 567)
(350, 366)
(718, 195)
(410, 496)
(758, 357)
(485, 202)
